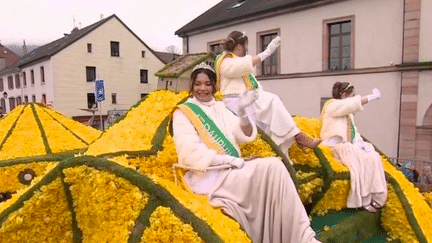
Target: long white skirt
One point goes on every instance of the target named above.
(262, 197)
(269, 114)
(366, 172)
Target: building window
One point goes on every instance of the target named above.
(216, 47)
(3, 104)
(89, 47)
(42, 74)
(33, 98)
(43, 100)
(91, 101)
(32, 76)
(142, 53)
(143, 95)
(270, 66)
(25, 99)
(17, 81)
(115, 48)
(18, 100)
(143, 76)
(24, 79)
(1, 84)
(338, 43)
(91, 74)
(10, 83)
(11, 103)
(114, 98)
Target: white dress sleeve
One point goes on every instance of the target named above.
(343, 107)
(237, 66)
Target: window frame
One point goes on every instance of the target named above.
(10, 82)
(17, 81)
(326, 41)
(141, 76)
(33, 98)
(260, 49)
(42, 74)
(88, 68)
(113, 98)
(12, 103)
(114, 54)
(26, 99)
(215, 43)
(24, 79)
(1, 84)
(143, 54)
(32, 79)
(95, 102)
(89, 48)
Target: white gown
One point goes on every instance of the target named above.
(261, 195)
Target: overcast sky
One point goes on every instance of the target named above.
(43, 21)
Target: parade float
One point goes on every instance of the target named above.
(123, 188)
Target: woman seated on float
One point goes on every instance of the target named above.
(234, 77)
(258, 193)
(368, 184)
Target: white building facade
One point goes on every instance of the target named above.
(62, 73)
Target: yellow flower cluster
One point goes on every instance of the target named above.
(335, 198)
(136, 131)
(59, 138)
(308, 190)
(428, 197)
(416, 201)
(9, 175)
(394, 219)
(104, 201)
(86, 133)
(25, 140)
(310, 126)
(159, 164)
(303, 157)
(7, 121)
(166, 227)
(47, 209)
(256, 148)
(226, 228)
(336, 166)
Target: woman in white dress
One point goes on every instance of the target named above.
(234, 77)
(258, 193)
(338, 130)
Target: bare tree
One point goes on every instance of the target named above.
(172, 49)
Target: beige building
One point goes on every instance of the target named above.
(381, 43)
(62, 73)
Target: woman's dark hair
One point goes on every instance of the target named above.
(234, 38)
(340, 88)
(209, 73)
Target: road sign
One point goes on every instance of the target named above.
(100, 90)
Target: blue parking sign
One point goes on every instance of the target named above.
(100, 90)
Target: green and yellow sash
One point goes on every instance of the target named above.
(249, 80)
(350, 124)
(208, 130)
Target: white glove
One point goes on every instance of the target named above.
(271, 48)
(376, 94)
(226, 159)
(247, 98)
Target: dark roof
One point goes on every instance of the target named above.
(9, 56)
(166, 57)
(56, 46)
(223, 12)
(184, 63)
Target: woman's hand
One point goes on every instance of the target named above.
(247, 98)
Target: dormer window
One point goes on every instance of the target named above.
(237, 4)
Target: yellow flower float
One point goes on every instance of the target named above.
(123, 189)
(33, 139)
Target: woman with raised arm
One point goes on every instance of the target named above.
(258, 193)
(234, 77)
(338, 131)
